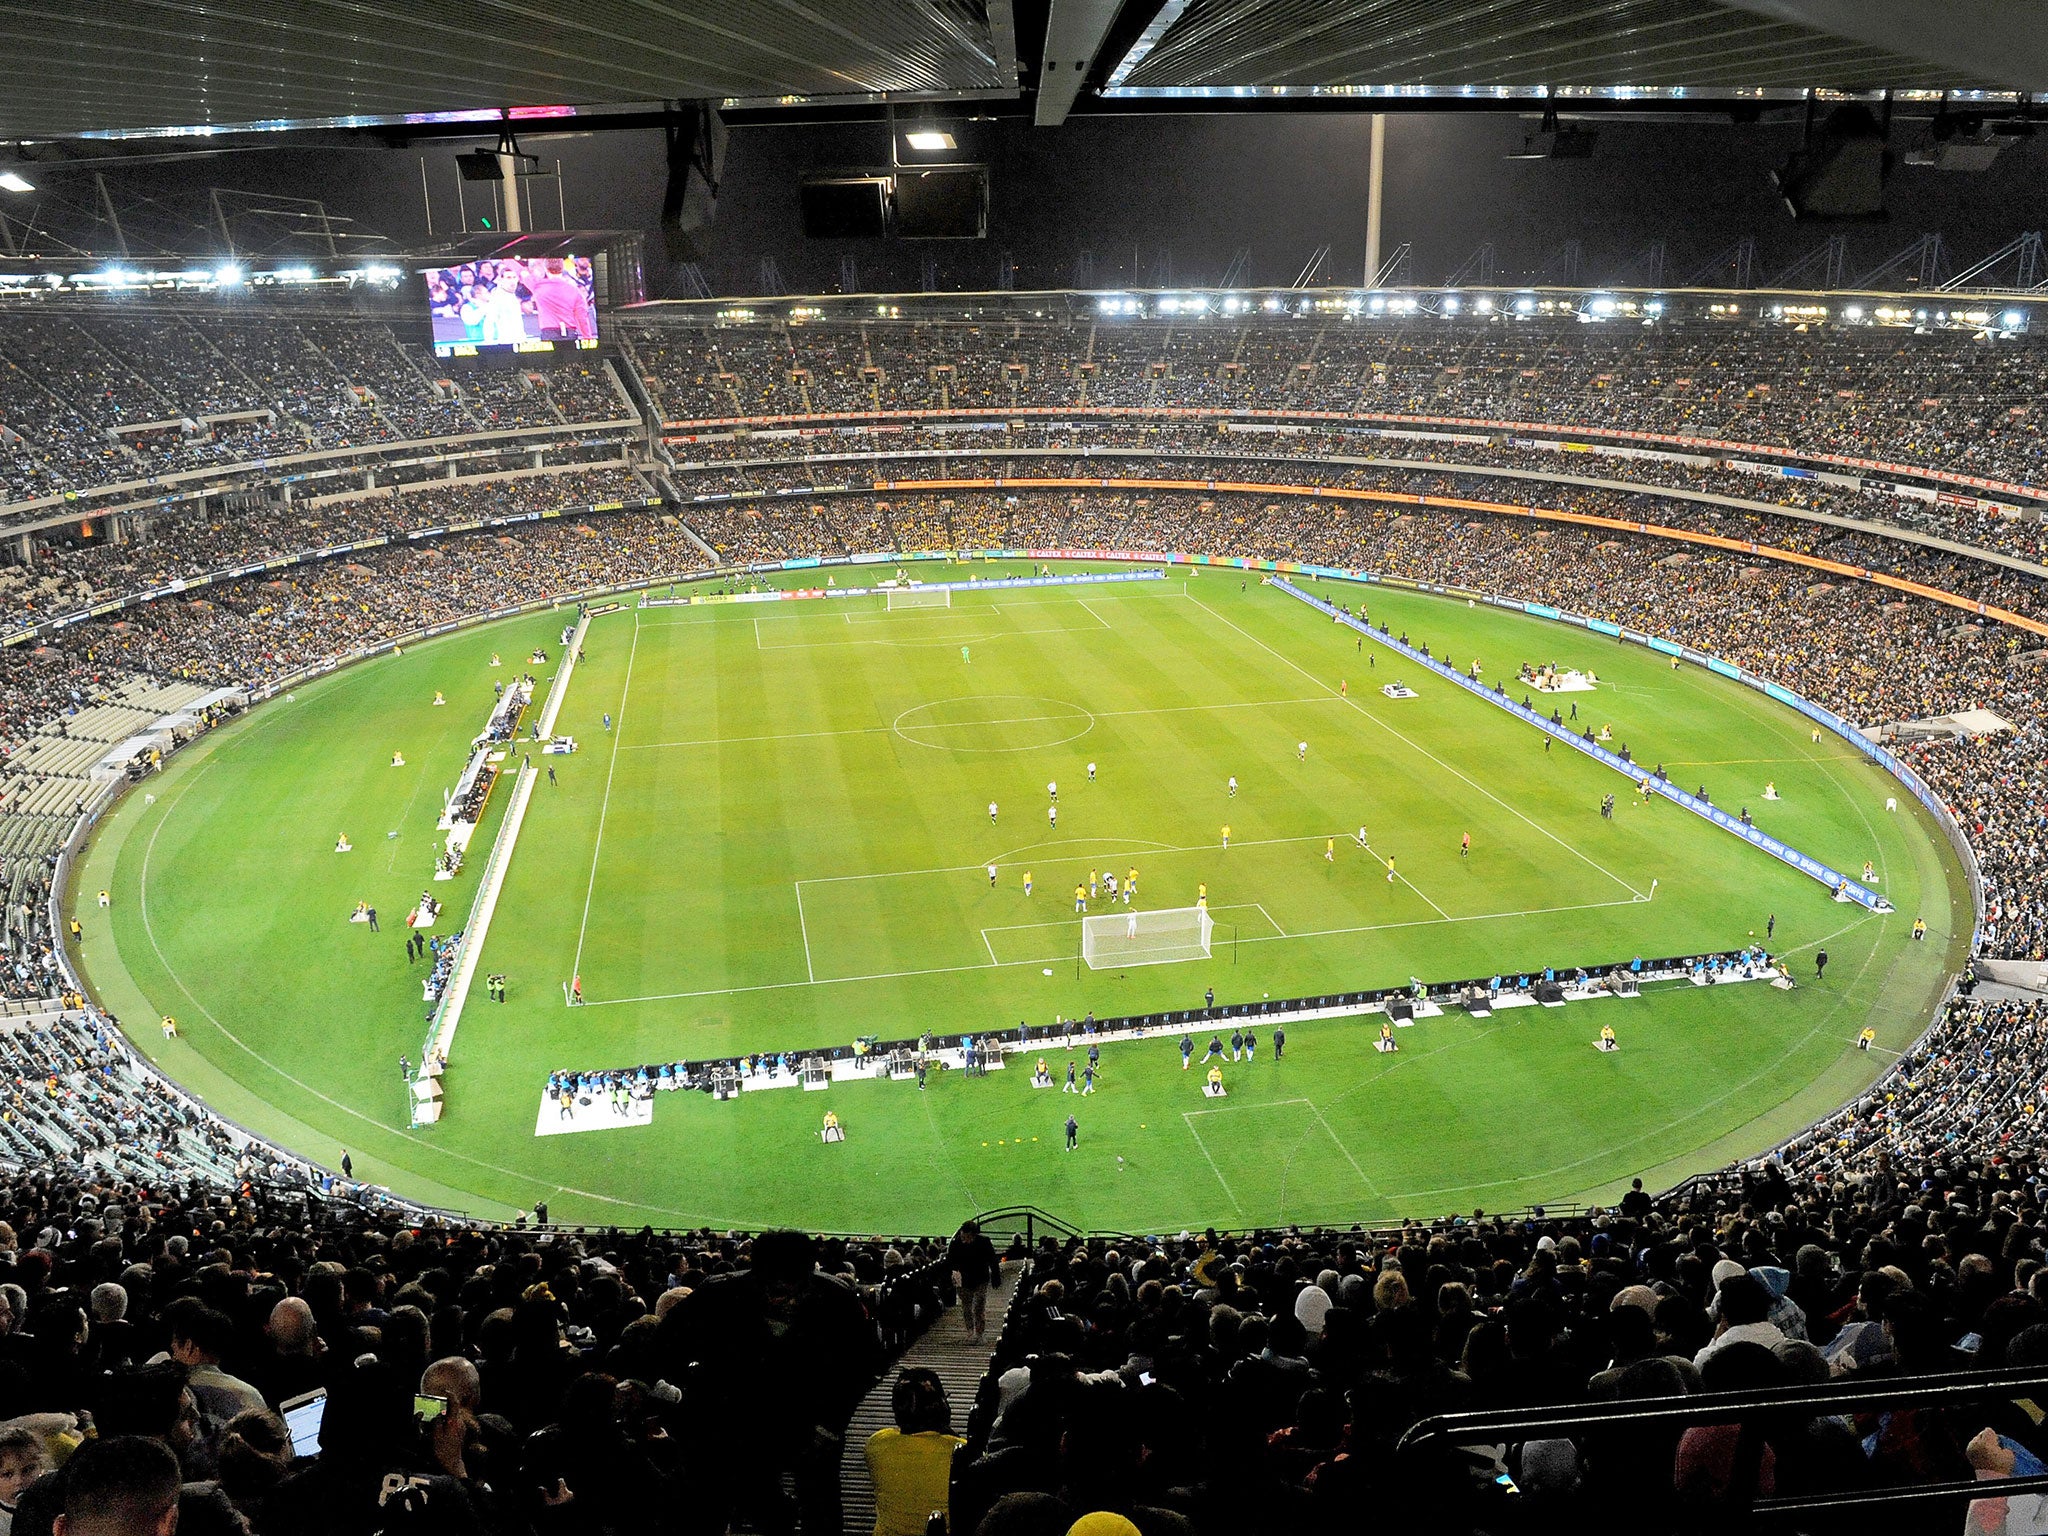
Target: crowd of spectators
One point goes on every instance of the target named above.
(101, 395)
(1192, 1384)
(496, 1382)
(1181, 450)
(1953, 399)
(1209, 1383)
(59, 576)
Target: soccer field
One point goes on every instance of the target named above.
(783, 842)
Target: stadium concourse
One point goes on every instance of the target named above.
(600, 1380)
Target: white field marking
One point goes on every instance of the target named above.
(1098, 618)
(1011, 860)
(1070, 922)
(1735, 762)
(149, 928)
(958, 637)
(1416, 746)
(890, 615)
(618, 730)
(886, 730)
(849, 607)
(1855, 922)
(952, 970)
(1371, 1187)
(805, 928)
(1078, 714)
(1265, 914)
(1189, 1117)
(1541, 1176)
(1014, 856)
(391, 858)
(1233, 1109)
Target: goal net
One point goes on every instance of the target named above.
(1145, 938)
(920, 597)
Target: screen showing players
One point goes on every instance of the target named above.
(512, 304)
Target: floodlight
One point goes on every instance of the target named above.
(15, 182)
(227, 276)
(1451, 306)
(2014, 319)
(1483, 305)
(928, 138)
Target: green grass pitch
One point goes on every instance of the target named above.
(782, 844)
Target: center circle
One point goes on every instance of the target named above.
(993, 722)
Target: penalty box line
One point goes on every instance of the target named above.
(1122, 845)
(952, 970)
(1007, 862)
(1328, 1130)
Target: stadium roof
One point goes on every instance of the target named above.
(87, 68)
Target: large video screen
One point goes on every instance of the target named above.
(523, 304)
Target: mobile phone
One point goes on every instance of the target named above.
(1146, 1378)
(302, 1417)
(427, 1407)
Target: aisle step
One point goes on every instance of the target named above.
(955, 1358)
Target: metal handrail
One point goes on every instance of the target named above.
(1445, 1432)
(1845, 1395)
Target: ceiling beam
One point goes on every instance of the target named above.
(1074, 33)
(2004, 43)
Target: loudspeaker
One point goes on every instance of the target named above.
(845, 207)
(943, 203)
(1400, 1009)
(480, 165)
(696, 164)
(1840, 173)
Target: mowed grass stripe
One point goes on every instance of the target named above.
(704, 845)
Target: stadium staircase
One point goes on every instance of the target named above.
(947, 1349)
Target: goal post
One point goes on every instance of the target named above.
(920, 597)
(1146, 938)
